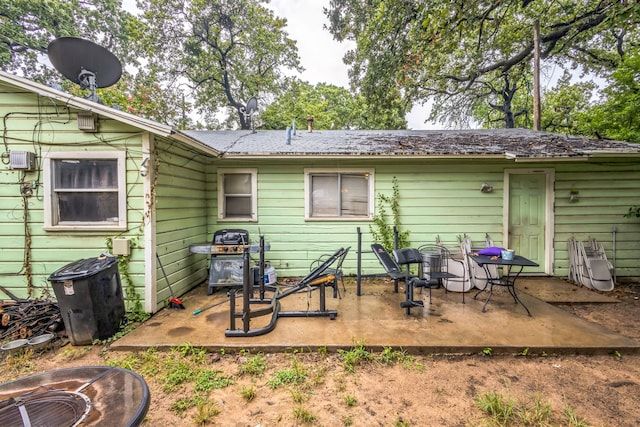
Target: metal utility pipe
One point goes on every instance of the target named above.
(536, 76)
(614, 231)
(359, 274)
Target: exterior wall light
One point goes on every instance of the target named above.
(143, 167)
(486, 188)
(574, 196)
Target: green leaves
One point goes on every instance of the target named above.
(472, 58)
(332, 107)
(27, 27)
(227, 52)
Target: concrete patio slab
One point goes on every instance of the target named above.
(559, 291)
(376, 319)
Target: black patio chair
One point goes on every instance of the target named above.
(405, 257)
(335, 270)
(441, 268)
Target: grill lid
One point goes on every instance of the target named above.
(231, 237)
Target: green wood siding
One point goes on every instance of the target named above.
(28, 253)
(181, 209)
(606, 190)
(437, 198)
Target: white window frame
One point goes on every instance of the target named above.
(50, 218)
(308, 173)
(254, 195)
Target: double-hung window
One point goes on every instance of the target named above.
(85, 191)
(340, 195)
(237, 194)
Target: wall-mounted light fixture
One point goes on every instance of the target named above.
(574, 195)
(486, 188)
(143, 167)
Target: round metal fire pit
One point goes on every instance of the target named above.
(88, 395)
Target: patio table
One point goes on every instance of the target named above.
(513, 269)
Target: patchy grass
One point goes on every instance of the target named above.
(253, 365)
(296, 374)
(358, 355)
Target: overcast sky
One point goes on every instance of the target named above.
(320, 54)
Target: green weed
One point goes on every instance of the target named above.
(181, 405)
(573, 419)
(303, 415)
(205, 411)
(197, 354)
(389, 355)
(299, 397)
(177, 372)
(20, 361)
(349, 400)
(496, 406)
(322, 351)
(297, 374)
(538, 414)
(75, 353)
(318, 375)
(356, 356)
(208, 379)
(254, 365)
(248, 393)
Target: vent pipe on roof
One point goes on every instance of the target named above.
(310, 123)
(293, 126)
(288, 135)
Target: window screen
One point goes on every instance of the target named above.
(85, 190)
(237, 195)
(339, 195)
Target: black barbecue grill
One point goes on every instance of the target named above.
(226, 249)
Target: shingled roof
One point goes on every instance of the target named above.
(501, 143)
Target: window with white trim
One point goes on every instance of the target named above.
(85, 191)
(338, 194)
(238, 194)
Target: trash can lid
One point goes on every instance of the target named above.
(83, 268)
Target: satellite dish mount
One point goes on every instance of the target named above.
(88, 81)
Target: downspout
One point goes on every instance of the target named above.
(614, 231)
(149, 180)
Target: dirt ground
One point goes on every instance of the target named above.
(363, 388)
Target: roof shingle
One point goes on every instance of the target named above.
(512, 143)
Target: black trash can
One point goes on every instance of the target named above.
(89, 294)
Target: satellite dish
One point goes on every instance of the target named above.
(250, 110)
(83, 62)
(252, 106)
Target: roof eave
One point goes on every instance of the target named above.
(254, 156)
(540, 159)
(121, 116)
(610, 154)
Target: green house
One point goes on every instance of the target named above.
(80, 179)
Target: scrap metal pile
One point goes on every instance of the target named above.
(24, 318)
